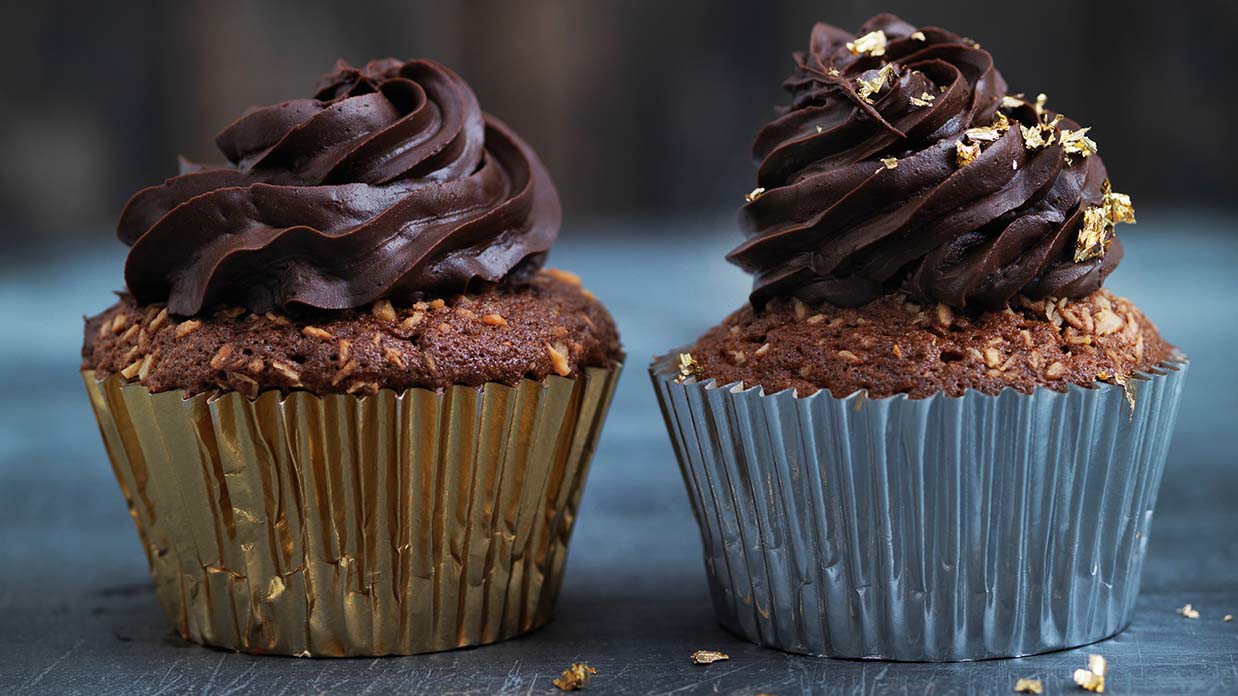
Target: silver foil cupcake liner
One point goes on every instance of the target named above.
(945, 528)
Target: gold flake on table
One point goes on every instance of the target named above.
(871, 44)
(1188, 611)
(1029, 686)
(708, 657)
(754, 194)
(1093, 678)
(575, 677)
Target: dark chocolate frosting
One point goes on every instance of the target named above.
(389, 183)
(872, 180)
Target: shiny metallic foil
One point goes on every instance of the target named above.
(336, 525)
(931, 529)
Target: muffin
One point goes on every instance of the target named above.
(349, 410)
(931, 434)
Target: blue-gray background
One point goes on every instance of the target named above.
(643, 111)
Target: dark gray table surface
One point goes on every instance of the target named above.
(77, 613)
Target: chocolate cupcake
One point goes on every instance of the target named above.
(932, 434)
(349, 410)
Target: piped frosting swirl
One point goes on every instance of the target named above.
(389, 183)
(901, 164)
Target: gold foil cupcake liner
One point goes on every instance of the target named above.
(334, 525)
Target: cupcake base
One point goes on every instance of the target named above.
(937, 529)
(335, 525)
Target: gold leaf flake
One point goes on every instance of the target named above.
(867, 88)
(1093, 678)
(1093, 238)
(708, 657)
(1029, 686)
(985, 134)
(754, 194)
(820, 130)
(923, 99)
(688, 367)
(575, 677)
(1119, 207)
(1188, 611)
(1039, 105)
(1077, 143)
(1040, 135)
(889, 162)
(1009, 102)
(833, 72)
(1228, 618)
(871, 44)
(1098, 223)
(917, 35)
(969, 147)
(965, 154)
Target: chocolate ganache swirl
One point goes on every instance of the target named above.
(901, 164)
(389, 183)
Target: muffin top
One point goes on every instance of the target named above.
(893, 345)
(388, 183)
(903, 164)
(547, 324)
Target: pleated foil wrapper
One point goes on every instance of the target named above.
(334, 525)
(937, 529)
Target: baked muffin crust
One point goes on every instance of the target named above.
(894, 346)
(544, 326)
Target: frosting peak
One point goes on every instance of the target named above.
(901, 164)
(389, 183)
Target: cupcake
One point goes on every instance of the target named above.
(349, 410)
(931, 434)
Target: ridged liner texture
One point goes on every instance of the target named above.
(937, 529)
(334, 525)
